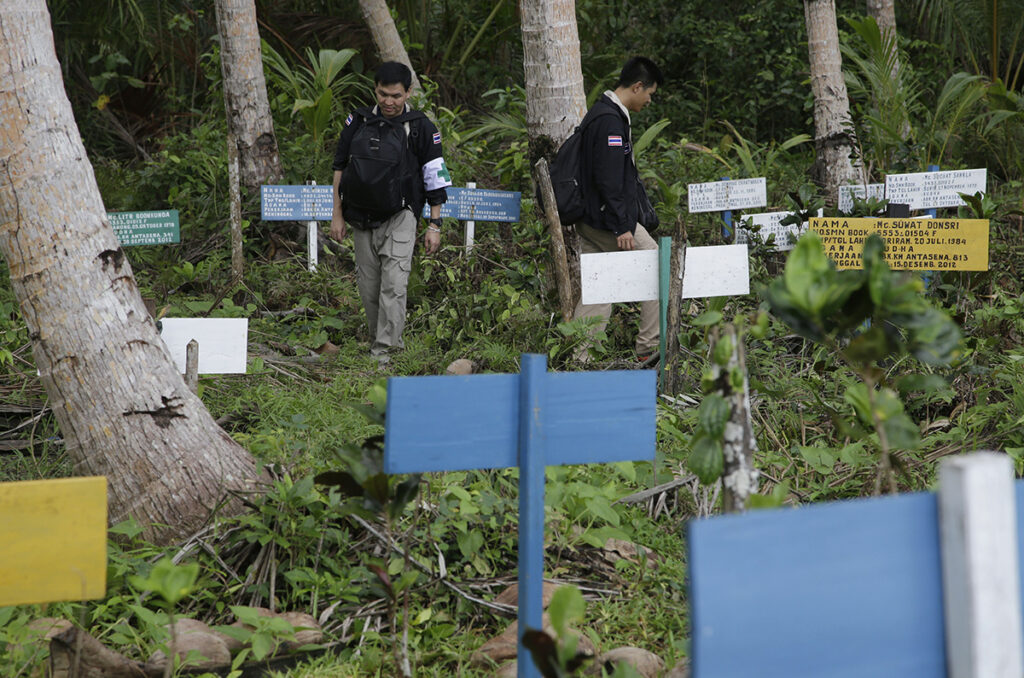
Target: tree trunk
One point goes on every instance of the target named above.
(245, 95)
(385, 36)
(834, 138)
(884, 13)
(122, 407)
(555, 101)
(739, 476)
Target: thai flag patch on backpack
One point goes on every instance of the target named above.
(614, 140)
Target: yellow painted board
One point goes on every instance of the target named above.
(910, 244)
(53, 540)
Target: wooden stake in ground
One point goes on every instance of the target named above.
(671, 376)
(568, 283)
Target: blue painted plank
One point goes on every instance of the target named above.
(451, 423)
(533, 421)
(600, 417)
(459, 423)
(843, 590)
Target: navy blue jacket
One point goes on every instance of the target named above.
(612, 183)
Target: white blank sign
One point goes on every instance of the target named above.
(716, 271)
(619, 276)
(223, 342)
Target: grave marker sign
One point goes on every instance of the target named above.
(906, 586)
(770, 224)
(721, 196)
(160, 227)
(713, 271)
(223, 342)
(862, 191)
(927, 190)
(911, 244)
(530, 420)
(296, 203)
(54, 536)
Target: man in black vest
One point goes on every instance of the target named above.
(617, 210)
(388, 163)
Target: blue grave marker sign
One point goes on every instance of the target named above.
(911, 586)
(529, 420)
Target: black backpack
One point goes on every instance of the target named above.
(380, 178)
(567, 174)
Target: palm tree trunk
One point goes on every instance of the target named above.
(555, 105)
(245, 95)
(555, 98)
(884, 13)
(385, 35)
(123, 409)
(834, 138)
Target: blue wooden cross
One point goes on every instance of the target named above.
(910, 586)
(530, 420)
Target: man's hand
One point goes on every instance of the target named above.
(431, 241)
(625, 241)
(338, 227)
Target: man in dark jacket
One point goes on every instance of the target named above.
(615, 218)
(387, 164)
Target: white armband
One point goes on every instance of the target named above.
(435, 175)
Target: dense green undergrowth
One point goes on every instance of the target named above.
(305, 546)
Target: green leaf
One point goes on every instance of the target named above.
(601, 508)
(566, 606)
(706, 458)
(707, 318)
(901, 432)
(821, 459)
(713, 414)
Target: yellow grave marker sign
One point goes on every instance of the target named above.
(53, 540)
(910, 244)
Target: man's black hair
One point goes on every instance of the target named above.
(393, 73)
(640, 69)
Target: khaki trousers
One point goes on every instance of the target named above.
(383, 263)
(595, 241)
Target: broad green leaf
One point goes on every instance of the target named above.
(566, 606)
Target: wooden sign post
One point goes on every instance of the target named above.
(54, 537)
(906, 586)
(530, 420)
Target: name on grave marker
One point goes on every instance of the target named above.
(928, 190)
(770, 224)
(159, 227)
(861, 191)
(479, 204)
(719, 196)
(296, 203)
(911, 244)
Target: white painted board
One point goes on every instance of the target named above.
(716, 271)
(613, 277)
(862, 191)
(978, 536)
(928, 190)
(223, 342)
(785, 236)
(718, 196)
(619, 276)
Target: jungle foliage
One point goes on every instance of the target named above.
(394, 568)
